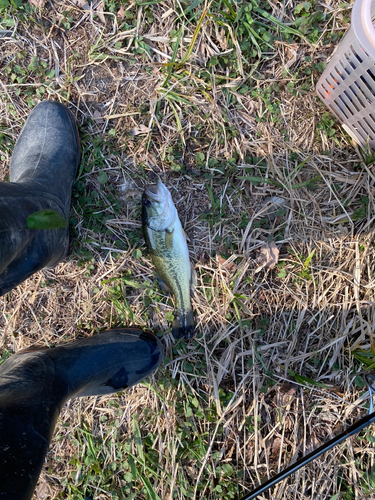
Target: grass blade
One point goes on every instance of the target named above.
(195, 35)
(138, 440)
(282, 26)
(150, 489)
(174, 55)
(305, 380)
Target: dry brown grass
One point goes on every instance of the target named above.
(317, 314)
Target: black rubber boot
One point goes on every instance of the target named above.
(34, 384)
(42, 171)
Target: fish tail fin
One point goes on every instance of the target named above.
(183, 325)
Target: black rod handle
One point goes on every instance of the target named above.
(351, 431)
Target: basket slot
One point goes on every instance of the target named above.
(358, 97)
(344, 71)
(371, 75)
(335, 110)
(359, 52)
(332, 82)
(368, 86)
(349, 102)
(327, 90)
(338, 109)
(370, 126)
(366, 134)
(322, 96)
(335, 81)
(336, 78)
(350, 61)
(368, 96)
(339, 73)
(356, 54)
(351, 95)
(343, 108)
(371, 119)
(359, 130)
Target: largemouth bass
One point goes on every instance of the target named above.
(166, 242)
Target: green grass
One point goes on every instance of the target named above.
(125, 464)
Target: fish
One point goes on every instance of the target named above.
(166, 242)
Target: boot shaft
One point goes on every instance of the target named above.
(35, 383)
(47, 152)
(42, 171)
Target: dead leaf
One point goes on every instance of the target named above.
(222, 38)
(141, 129)
(99, 11)
(226, 264)
(37, 3)
(249, 120)
(131, 193)
(83, 4)
(268, 257)
(201, 52)
(272, 204)
(285, 395)
(97, 117)
(203, 258)
(121, 12)
(337, 390)
(276, 445)
(42, 491)
(220, 260)
(314, 444)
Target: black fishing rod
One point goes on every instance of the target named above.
(351, 431)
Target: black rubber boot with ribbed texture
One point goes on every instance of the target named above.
(42, 171)
(34, 384)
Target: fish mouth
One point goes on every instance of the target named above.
(152, 191)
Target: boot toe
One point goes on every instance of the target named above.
(47, 151)
(143, 354)
(108, 362)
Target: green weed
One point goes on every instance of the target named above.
(137, 468)
(327, 125)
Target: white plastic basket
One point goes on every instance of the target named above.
(347, 86)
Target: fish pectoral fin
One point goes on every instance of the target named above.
(193, 279)
(163, 286)
(169, 239)
(151, 239)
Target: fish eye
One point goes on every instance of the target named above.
(147, 203)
